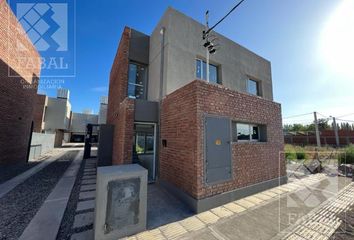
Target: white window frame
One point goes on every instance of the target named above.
(250, 130)
(136, 84)
(201, 71)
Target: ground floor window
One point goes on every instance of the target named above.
(247, 132)
(144, 143)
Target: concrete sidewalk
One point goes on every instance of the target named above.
(261, 216)
(51, 212)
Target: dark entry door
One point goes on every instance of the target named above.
(217, 149)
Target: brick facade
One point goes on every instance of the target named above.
(19, 72)
(38, 112)
(118, 82)
(182, 161)
(120, 110)
(123, 133)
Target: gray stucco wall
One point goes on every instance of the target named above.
(80, 120)
(183, 44)
(57, 115)
(102, 115)
(40, 144)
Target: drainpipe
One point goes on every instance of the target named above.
(162, 32)
(162, 54)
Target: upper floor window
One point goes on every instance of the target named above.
(253, 87)
(200, 67)
(137, 81)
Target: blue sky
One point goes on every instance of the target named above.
(288, 33)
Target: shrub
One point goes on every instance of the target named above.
(347, 157)
(301, 154)
(290, 153)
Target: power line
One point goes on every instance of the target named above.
(299, 115)
(222, 19)
(346, 115)
(345, 120)
(323, 115)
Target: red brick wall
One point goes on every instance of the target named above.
(120, 111)
(118, 82)
(38, 112)
(123, 133)
(178, 162)
(182, 125)
(16, 49)
(17, 94)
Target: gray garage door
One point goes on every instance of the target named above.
(217, 149)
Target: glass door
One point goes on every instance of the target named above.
(144, 147)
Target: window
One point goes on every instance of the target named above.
(200, 67)
(253, 87)
(245, 132)
(136, 81)
(144, 143)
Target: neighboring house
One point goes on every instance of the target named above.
(19, 73)
(56, 115)
(102, 114)
(78, 125)
(208, 142)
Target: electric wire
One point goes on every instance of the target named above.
(299, 115)
(222, 19)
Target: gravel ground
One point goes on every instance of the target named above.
(65, 230)
(8, 172)
(19, 206)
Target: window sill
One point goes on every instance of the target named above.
(249, 142)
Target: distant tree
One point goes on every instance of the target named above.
(323, 124)
(297, 127)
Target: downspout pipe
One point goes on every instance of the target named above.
(162, 54)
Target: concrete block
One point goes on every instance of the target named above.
(85, 205)
(83, 219)
(88, 187)
(89, 194)
(89, 177)
(121, 200)
(88, 181)
(87, 235)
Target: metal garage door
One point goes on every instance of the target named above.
(217, 149)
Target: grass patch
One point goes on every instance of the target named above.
(347, 156)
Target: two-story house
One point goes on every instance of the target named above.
(207, 142)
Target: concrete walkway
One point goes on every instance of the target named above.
(85, 207)
(323, 221)
(261, 216)
(46, 223)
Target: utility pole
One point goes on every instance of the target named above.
(207, 50)
(335, 128)
(317, 131)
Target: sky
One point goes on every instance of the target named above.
(309, 44)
